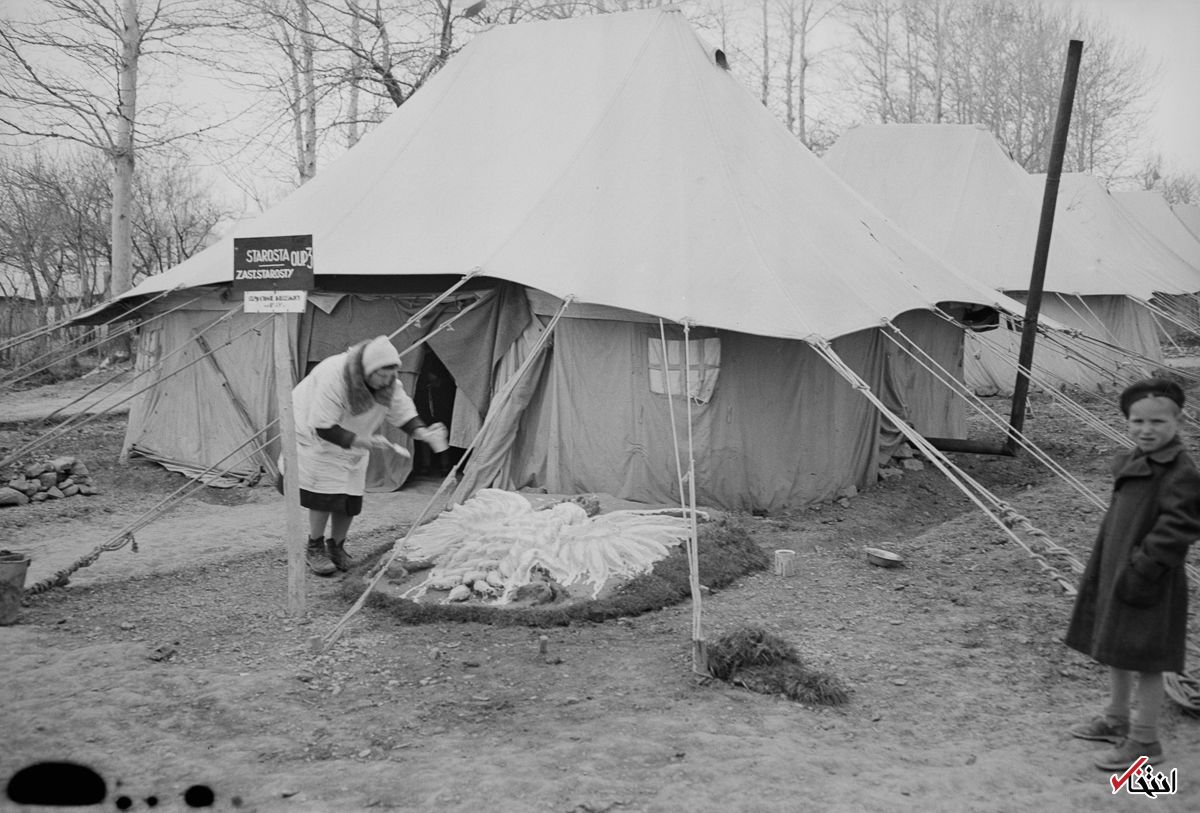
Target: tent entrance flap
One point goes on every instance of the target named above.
(434, 396)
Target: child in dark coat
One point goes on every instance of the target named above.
(1131, 610)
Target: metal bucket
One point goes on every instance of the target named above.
(785, 563)
(13, 567)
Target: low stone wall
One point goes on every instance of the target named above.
(49, 480)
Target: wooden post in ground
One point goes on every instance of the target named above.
(295, 534)
(274, 275)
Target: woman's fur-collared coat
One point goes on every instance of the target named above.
(1131, 610)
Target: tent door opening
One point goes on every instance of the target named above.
(434, 399)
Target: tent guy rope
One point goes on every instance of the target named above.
(1011, 518)
(83, 418)
(927, 362)
(125, 536)
(47, 329)
(420, 314)
(447, 325)
(973, 490)
(21, 373)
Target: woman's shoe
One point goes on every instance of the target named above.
(318, 560)
(336, 550)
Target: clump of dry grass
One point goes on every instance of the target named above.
(763, 662)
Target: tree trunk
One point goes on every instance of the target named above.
(802, 89)
(309, 155)
(789, 71)
(123, 151)
(939, 67)
(766, 56)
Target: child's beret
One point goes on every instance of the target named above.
(1150, 387)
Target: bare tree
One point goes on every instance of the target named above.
(73, 75)
(999, 63)
(928, 26)
(53, 217)
(798, 19)
(341, 64)
(1181, 187)
(175, 214)
(1111, 107)
(873, 23)
(54, 221)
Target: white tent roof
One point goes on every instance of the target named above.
(1189, 215)
(1117, 235)
(1152, 211)
(954, 188)
(611, 159)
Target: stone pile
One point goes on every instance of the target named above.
(49, 480)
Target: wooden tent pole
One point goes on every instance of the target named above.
(1058, 148)
(238, 404)
(296, 536)
(699, 647)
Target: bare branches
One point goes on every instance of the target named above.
(999, 63)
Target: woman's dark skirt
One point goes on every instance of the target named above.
(333, 503)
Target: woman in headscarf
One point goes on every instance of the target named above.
(339, 408)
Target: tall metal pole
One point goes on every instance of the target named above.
(1049, 199)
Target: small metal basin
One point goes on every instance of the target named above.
(883, 558)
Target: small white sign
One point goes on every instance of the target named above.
(274, 301)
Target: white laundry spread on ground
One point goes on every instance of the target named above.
(493, 543)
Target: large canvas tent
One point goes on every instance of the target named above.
(610, 164)
(955, 189)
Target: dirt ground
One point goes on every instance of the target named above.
(179, 669)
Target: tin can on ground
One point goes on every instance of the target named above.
(785, 562)
(13, 567)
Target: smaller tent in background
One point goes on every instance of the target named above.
(1085, 203)
(958, 192)
(1189, 215)
(1151, 210)
(1155, 214)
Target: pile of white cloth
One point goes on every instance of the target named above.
(495, 542)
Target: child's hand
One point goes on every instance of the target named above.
(1137, 590)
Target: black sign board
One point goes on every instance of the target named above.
(273, 263)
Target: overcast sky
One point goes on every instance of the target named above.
(1169, 30)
